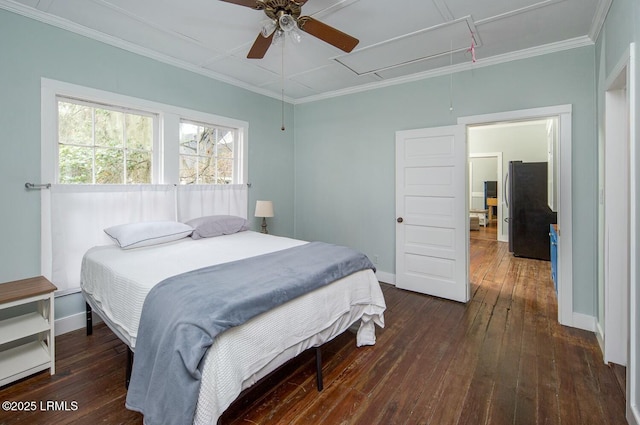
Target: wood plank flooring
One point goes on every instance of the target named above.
(500, 359)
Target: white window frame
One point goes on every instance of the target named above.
(165, 168)
(213, 125)
(124, 147)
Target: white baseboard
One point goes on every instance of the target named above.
(584, 322)
(633, 416)
(385, 277)
(74, 322)
(600, 338)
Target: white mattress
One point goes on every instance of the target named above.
(117, 282)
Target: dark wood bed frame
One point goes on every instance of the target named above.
(89, 315)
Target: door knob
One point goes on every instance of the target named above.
(400, 220)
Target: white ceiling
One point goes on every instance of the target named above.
(400, 40)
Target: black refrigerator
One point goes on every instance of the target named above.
(529, 212)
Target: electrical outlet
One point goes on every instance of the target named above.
(375, 259)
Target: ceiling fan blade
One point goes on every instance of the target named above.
(254, 4)
(327, 33)
(260, 46)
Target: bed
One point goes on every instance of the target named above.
(115, 283)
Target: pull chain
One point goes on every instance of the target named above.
(282, 73)
(451, 78)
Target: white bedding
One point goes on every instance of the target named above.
(118, 281)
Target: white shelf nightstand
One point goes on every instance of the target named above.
(27, 340)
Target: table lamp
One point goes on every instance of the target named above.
(264, 209)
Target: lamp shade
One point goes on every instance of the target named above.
(264, 209)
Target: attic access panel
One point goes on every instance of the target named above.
(421, 45)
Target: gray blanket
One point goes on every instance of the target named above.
(182, 315)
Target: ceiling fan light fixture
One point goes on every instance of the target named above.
(285, 16)
(294, 35)
(287, 22)
(268, 27)
(278, 37)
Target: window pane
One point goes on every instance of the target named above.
(188, 169)
(138, 167)
(225, 150)
(188, 136)
(206, 142)
(109, 166)
(75, 165)
(109, 128)
(207, 170)
(225, 171)
(75, 124)
(227, 136)
(214, 148)
(139, 132)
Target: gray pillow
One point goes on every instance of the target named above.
(217, 225)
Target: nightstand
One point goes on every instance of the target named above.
(27, 339)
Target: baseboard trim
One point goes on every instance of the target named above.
(385, 277)
(600, 338)
(73, 323)
(633, 416)
(584, 322)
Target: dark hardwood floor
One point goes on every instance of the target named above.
(500, 359)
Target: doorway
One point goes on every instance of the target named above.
(563, 184)
(617, 229)
(615, 226)
(432, 230)
(531, 140)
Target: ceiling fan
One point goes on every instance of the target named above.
(284, 16)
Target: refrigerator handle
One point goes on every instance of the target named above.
(505, 193)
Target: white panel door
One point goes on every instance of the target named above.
(432, 220)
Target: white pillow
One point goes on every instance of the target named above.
(135, 235)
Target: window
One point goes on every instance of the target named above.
(92, 136)
(103, 144)
(206, 153)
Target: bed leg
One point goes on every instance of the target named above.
(319, 369)
(89, 320)
(129, 367)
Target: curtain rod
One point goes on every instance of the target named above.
(37, 186)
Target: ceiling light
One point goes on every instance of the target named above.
(268, 26)
(289, 26)
(287, 23)
(278, 38)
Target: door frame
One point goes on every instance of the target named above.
(627, 64)
(566, 315)
(615, 288)
(498, 155)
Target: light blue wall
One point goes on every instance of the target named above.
(345, 158)
(30, 50)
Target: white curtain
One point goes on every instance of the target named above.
(202, 200)
(74, 217)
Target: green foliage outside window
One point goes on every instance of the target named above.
(103, 146)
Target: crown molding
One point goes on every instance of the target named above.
(67, 25)
(599, 18)
(480, 63)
